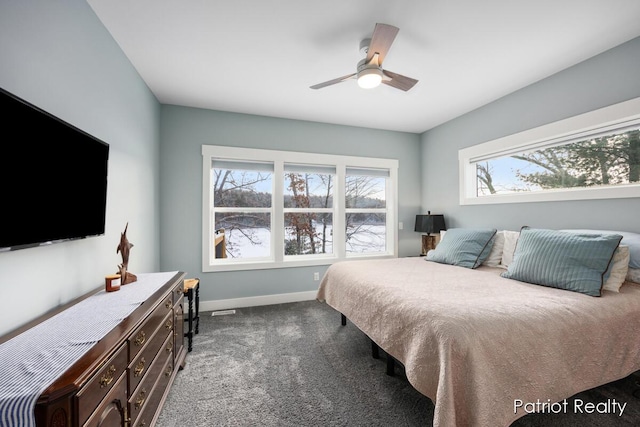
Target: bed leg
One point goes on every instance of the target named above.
(375, 350)
(343, 319)
(390, 365)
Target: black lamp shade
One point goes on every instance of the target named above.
(430, 223)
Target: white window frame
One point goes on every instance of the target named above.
(331, 210)
(279, 158)
(388, 190)
(574, 128)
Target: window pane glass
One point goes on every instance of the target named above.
(308, 233)
(247, 234)
(608, 160)
(366, 232)
(241, 187)
(308, 190)
(365, 192)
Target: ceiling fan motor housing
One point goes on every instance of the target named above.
(369, 74)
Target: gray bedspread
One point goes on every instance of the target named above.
(476, 343)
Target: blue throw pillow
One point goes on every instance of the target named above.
(463, 247)
(571, 261)
(628, 239)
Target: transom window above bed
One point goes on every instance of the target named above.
(272, 209)
(592, 156)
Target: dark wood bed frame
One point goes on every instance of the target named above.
(375, 351)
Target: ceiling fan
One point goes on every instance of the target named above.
(369, 71)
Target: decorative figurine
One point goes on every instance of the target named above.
(123, 248)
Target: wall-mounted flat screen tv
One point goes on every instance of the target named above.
(53, 178)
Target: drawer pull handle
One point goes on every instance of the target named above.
(141, 398)
(169, 324)
(140, 338)
(107, 378)
(139, 369)
(169, 347)
(168, 372)
(167, 304)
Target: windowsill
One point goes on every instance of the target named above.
(267, 265)
(583, 193)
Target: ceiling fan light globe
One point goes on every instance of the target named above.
(370, 78)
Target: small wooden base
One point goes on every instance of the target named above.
(129, 278)
(428, 243)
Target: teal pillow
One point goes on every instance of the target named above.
(463, 247)
(572, 261)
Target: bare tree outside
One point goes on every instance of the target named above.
(238, 189)
(485, 181)
(365, 224)
(304, 230)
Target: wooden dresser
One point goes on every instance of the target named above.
(125, 377)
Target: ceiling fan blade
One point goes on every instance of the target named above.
(332, 82)
(381, 40)
(399, 81)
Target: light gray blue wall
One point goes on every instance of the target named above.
(606, 79)
(58, 56)
(185, 130)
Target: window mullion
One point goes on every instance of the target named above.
(367, 210)
(308, 210)
(339, 239)
(277, 224)
(242, 209)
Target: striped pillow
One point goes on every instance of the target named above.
(570, 261)
(463, 247)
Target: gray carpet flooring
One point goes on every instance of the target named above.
(294, 365)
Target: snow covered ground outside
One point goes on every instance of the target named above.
(370, 240)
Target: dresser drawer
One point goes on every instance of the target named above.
(151, 407)
(144, 332)
(178, 292)
(140, 365)
(110, 412)
(100, 384)
(139, 398)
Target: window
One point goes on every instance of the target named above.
(242, 207)
(271, 209)
(308, 209)
(591, 156)
(365, 210)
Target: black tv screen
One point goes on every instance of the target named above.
(53, 178)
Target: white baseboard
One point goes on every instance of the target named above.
(225, 304)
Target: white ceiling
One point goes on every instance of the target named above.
(261, 56)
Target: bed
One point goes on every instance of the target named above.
(482, 346)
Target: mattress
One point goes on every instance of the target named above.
(477, 344)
